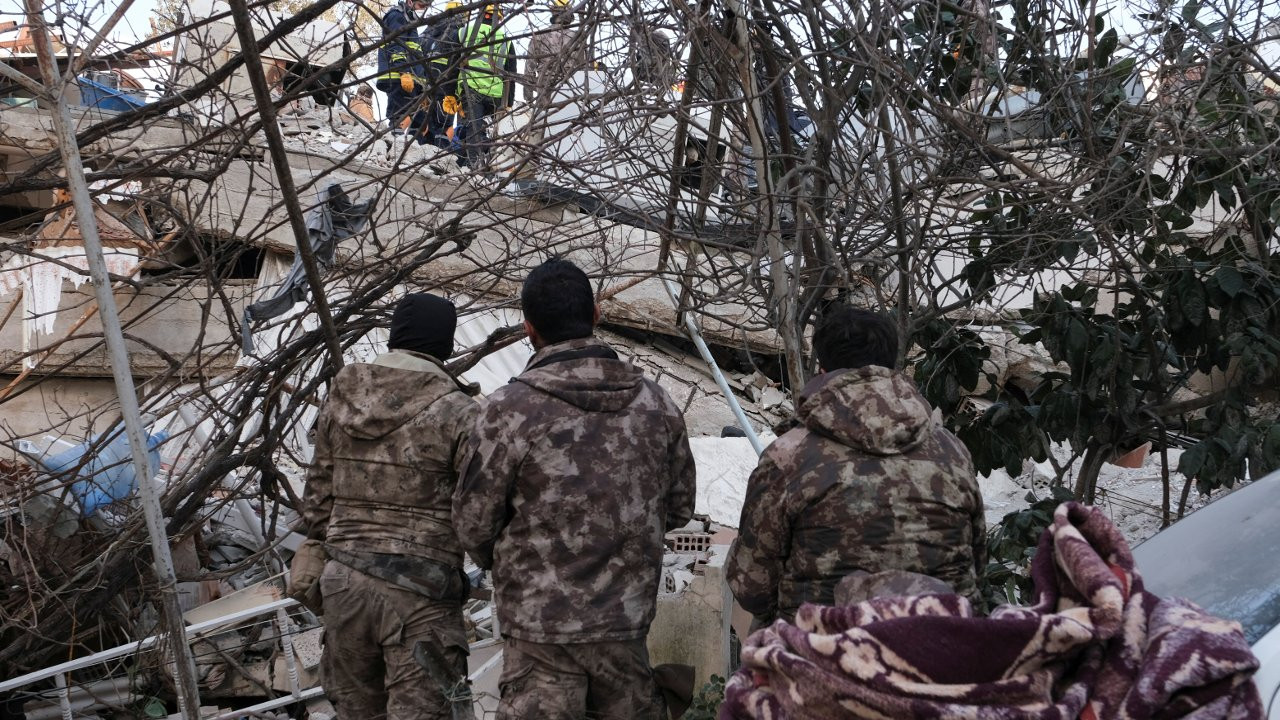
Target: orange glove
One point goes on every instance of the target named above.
(449, 104)
(406, 82)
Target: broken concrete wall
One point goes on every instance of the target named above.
(183, 323)
(27, 134)
(73, 407)
(692, 627)
(212, 42)
(512, 234)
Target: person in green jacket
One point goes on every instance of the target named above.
(484, 80)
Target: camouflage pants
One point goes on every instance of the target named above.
(370, 630)
(606, 680)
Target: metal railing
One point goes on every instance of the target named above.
(191, 633)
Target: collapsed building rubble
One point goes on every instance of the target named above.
(230, 563)
(198, 235)
(236, 536)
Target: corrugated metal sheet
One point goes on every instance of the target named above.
(498, 368)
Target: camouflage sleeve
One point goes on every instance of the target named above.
(980, 540)
(979, 521)
(317, 497)
(681, 493)
(756, 560)
(485, 479)
(463, 424)
(977, 517)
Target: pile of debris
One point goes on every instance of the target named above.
(255, 650)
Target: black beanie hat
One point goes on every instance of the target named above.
(424, 323)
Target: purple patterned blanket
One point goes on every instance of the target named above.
(1095, 646)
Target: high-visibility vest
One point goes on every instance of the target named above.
(487, 51)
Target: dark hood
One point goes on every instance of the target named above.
(369, 400)
(585, 373)
(872, 409)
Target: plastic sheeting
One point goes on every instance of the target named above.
(41, 280)
(724, 465)
(104, 473)
(334, 219)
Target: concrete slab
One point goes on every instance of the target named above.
(260, 593)
(184, 322)
(73, 407)
(692, 627)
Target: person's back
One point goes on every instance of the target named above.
(574, 472)
(557, 52)
(870, 481)
(378, 500)
(488, 63)
(653, 55)
(590, 439)
(392, 430)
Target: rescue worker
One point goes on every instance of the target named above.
(870, 481)
(654, 58)
(484, 77)
(442, 39)
(378, 496)
(555, 53)
(797, 124)
(573, 473)
(400, 71)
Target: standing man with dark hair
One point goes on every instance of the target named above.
(574, 472)
(378, 496)
(870, 481)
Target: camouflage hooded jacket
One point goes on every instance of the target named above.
(572, 475)
(387, 446)
(870, 481)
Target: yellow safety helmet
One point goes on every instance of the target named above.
(493, 10)
(560, 4)
(453, 4)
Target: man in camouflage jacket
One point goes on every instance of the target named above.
(869, 481)
(573, 473)
(378, 494)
